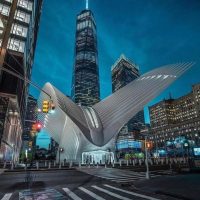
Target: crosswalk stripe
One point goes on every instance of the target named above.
(92, 194)
(132, 193)
(120, 176)
(71, 194)
(7, 196)
(110, 193)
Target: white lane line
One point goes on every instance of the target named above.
(7, 196)
(71, 194)
(132, 193)
(92, 194)
(110, 193)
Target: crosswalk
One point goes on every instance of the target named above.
(6, 196)
(106, 192)
(98, 192)
(121, 176)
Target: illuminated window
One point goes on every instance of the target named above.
(4, 9)
(25, 4)
(16, 45)
(19, 30)
(22, 16)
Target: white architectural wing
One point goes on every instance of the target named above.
(80, 129)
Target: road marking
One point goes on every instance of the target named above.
(110, 193)
(92, 194)
(71, 194)
(7, 196)
(117, 175)
(132, 193)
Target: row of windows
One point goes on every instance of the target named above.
(86, 55)
(25, 4)
(16, 45)
(19, 30)
(83, 15)
(84, 24)
(22, 16)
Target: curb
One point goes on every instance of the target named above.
(178, 196)
(39, 170)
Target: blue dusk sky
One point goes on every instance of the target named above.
(151, 33)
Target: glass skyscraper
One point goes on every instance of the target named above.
(85, 83)
(123, 72)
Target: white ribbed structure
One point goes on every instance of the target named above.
(82, 129)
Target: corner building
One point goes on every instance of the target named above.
(172, 118)
(19, 24)
(85, 83)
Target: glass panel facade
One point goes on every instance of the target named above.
(85, 89)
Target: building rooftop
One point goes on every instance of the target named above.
(123, 57)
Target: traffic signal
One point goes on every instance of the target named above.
(34, 130)
(149, 145)
(38, 127)
(45, 106)
(30, 143)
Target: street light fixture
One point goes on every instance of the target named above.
(146, 154)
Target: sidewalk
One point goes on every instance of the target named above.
(184, 187)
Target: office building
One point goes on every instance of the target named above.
(172, 118)
(125, 71)
(85, 83)
(19, 24)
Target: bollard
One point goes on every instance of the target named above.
(37, 165)
(120, 163)
(70, 165)
(97, 165)
(105, 165)
(4, 165)
(140, 163)
(49, 165)
(12, 166)
(79, 164)
(133, 162)
(60, 165)
(127, 163)
(45, 163)
(113, 164)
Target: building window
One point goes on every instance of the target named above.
(4, 9)
(16, 45)
(22, 16)
(25, 4)
(19, 30)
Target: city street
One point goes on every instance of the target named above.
(74, 184)
(99, 100)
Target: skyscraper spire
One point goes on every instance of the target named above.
(87, 4)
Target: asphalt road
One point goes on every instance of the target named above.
(73, 184)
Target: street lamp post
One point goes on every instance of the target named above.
(59, 151)
(146, 155)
